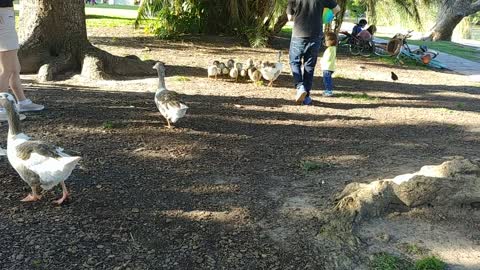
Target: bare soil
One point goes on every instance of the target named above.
(226, 189)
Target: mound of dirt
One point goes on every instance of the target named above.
(453, 184)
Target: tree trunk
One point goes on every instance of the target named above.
(340, 15)
(450, 14)
(53, 38)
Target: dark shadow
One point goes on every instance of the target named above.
(215, 185)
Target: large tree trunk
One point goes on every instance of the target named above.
(450, 14)
(54, 40)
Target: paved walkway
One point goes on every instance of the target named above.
(457, 64)
(460, 65)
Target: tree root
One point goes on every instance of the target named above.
(93, 63)
(57, 65)
(99, 64)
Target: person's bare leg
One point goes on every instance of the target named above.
(7, 68)
(15, 82)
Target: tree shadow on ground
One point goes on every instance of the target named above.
(213, 187)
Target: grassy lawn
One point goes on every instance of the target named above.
(112, 11)
(108, 21)
(286, 31)
(460, 50)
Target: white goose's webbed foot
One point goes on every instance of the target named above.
(32, 197)
(65, 194)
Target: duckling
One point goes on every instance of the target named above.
(168, 102)
(271, 71)
(39, 164)
(213, 69)
(243, 73)
(249, 63)
(256, 77)
(230, 64)
(225, 71)
(251, 68)
(234, 72)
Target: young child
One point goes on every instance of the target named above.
(328, 62)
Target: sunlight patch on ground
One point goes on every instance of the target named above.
(235, 214)
(211, 189)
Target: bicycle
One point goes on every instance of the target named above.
(398, 47)
(356, 46)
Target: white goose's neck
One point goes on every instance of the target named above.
(161, 81)
(13, 120)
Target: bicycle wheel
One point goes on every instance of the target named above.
(367, 49)
(355, 49)
(380, 49)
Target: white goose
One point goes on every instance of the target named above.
(39, 164)
(271, 71)
(168, 102)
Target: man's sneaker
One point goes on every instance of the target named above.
(327, 93)
(28, 106)
(307, 101)
(301, 94)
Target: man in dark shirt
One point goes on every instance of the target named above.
(307, 34)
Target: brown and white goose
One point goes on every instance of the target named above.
(168, 102)
(39, 164)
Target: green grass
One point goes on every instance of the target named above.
(108, 21)
(385, 261)
(362, 96)
(406, 62)
(286, 31)
(309, 166)
(457, 49)
(430, 263)
(181, 79)
(108, 125)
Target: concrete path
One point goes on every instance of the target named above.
(457, 64)
(460, 65)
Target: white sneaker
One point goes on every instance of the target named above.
(28, 106)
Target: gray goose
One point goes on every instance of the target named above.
(168, 102)
(39, 164)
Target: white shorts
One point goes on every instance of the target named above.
(8, 35)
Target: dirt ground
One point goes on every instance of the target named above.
(226, 189)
